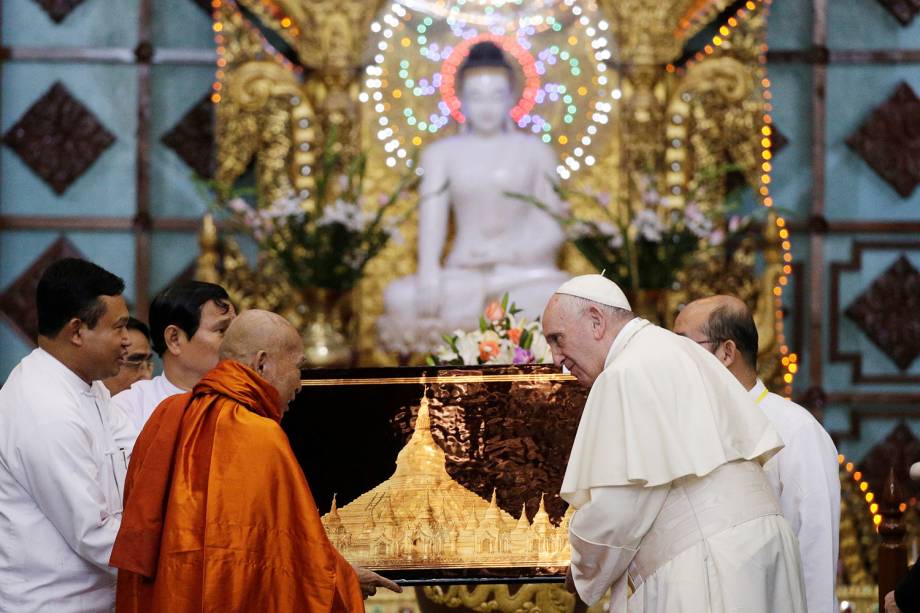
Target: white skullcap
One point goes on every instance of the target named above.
(596, 288)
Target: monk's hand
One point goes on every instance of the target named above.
(890, 605)
(370, 581)
(570, 581)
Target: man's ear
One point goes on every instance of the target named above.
(174, 337)
(260, 362)
(729, 353)
(598, 322)
(73, 330)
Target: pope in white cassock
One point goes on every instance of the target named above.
(665, 472)
(64, 448)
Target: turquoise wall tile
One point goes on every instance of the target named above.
(175, 90)
(866, 24)
(854, 189)
(789, 24)
(872, 432)
(181, 24)
(90, 24)
(175, 251)
(792, 167)
(837, 375)
(13, 349)
(107, 187)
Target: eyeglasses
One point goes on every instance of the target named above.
(709, 341)
(138, 360)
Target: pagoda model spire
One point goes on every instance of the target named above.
(523, 524)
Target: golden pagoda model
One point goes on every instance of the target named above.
(421, 518)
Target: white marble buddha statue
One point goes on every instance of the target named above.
(500, 244)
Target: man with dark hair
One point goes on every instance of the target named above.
(64, 448)
(138, 364)
(804, 473)
(187, 324)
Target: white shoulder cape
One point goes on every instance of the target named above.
(662, 409)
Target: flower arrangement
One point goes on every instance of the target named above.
(325, 241)
(502, 338)
(642, 245)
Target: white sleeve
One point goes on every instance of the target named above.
(129, 404)
(605, 535)
(811, 504)
(124, 430)
(63, 477)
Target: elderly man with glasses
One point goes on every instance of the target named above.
(138, 364)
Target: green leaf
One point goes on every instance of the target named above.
(505, 302)
(483, 326)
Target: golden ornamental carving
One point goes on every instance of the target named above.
(526, 599)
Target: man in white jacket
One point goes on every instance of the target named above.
(804, 474)
(187, 325)
(665, 471)
(64, 448)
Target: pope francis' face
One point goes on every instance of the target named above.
(576, 338)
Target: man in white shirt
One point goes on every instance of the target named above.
(665, 471)
(64, 448)
(805, 473)
(187, 324)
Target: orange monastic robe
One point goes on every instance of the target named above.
(218, 515)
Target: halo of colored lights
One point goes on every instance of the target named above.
(559, 50)
(452, 64)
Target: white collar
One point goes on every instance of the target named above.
(758, 391)
(623, 337)
(70, 377)
(170, 385)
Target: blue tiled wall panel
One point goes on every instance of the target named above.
(865, 24)
(90, 24)
(789, 25)
(181, 24)
(175, 251)
(837, 375)
(792, 167)
(175, 90)
(854, 189)
(107, 187)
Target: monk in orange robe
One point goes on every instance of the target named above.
(218, 515)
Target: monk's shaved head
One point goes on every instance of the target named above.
(270, 345)
(256, 330)
(715, 320)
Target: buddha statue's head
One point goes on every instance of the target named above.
(486, 86)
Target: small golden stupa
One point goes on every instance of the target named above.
(421, 518)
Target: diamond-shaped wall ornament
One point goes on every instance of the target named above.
(58, 10)
(778, 140)
(58, 138)
(193, 138)
(899, 449)
(887, 312)
(17, 302)
(903, 10)
(889, 140)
